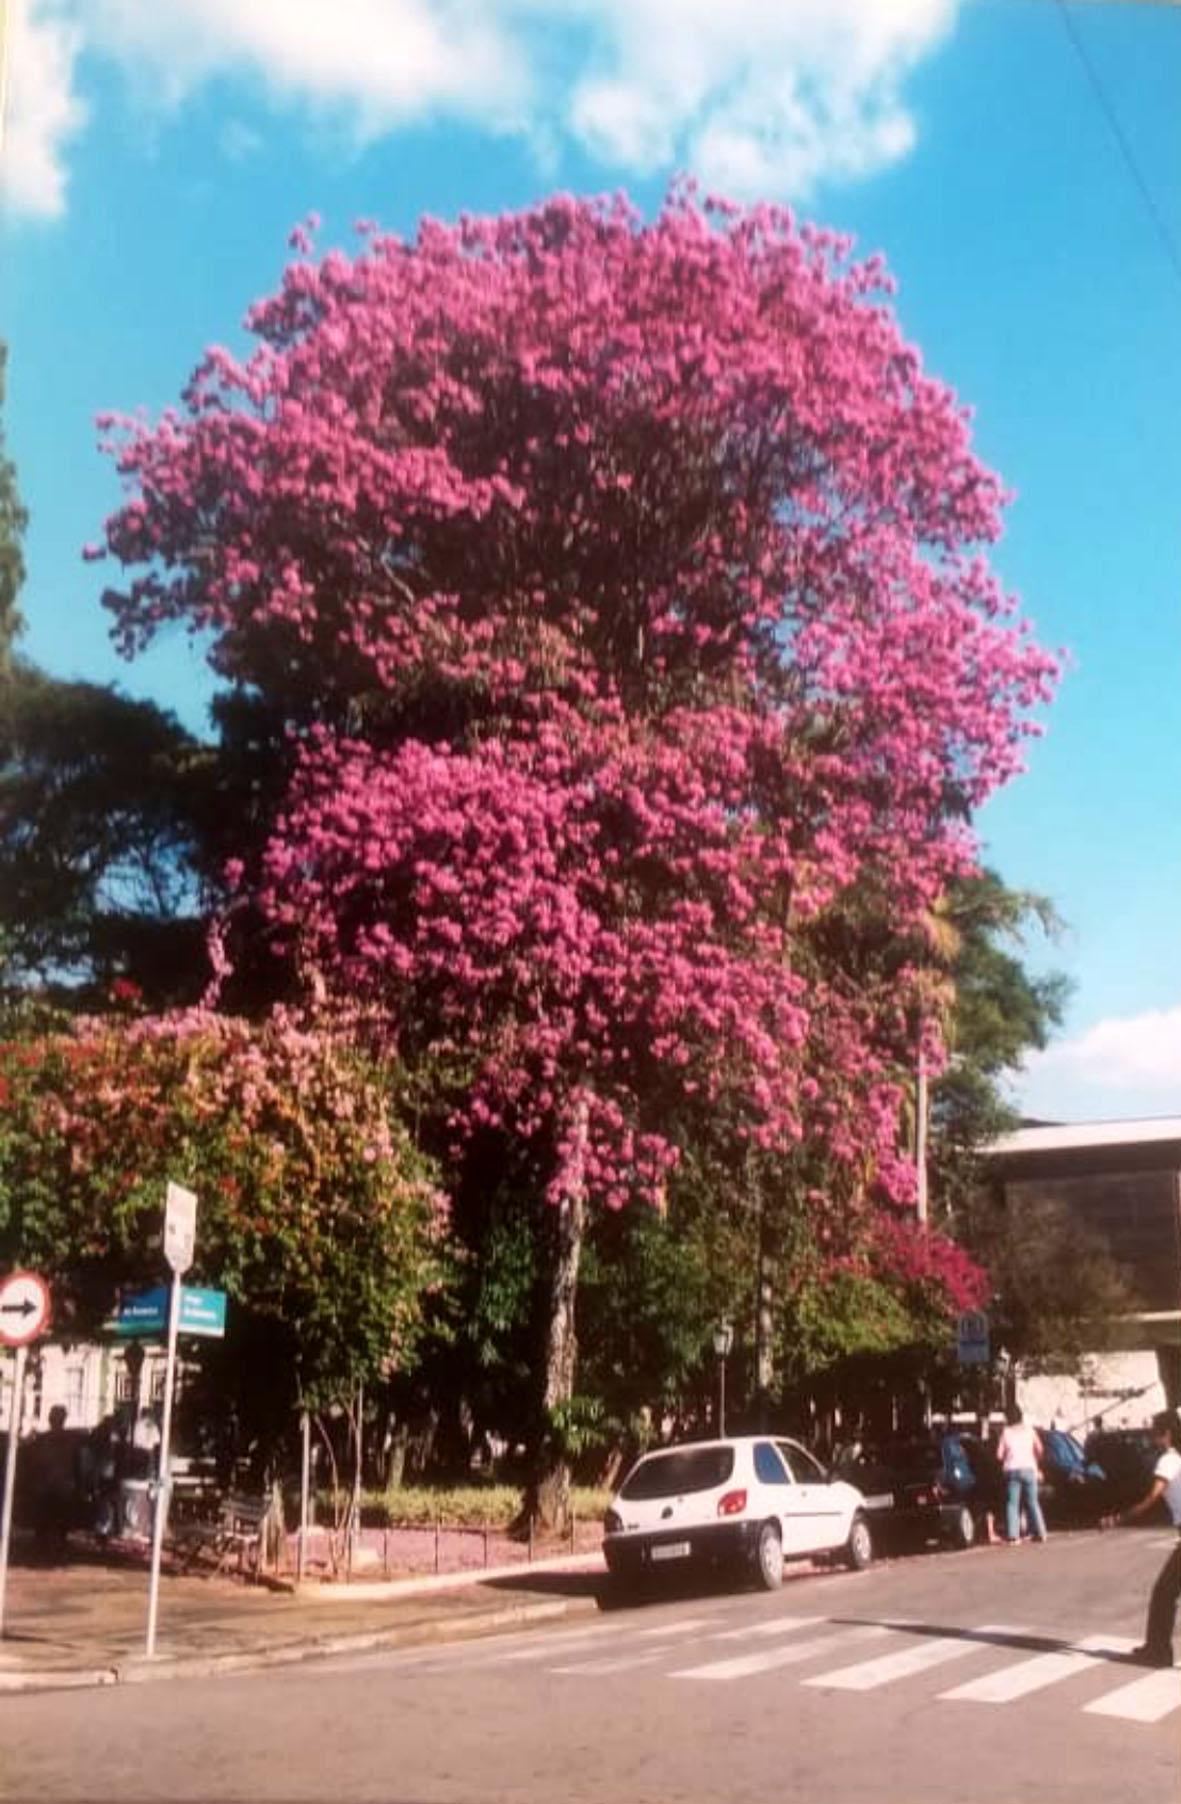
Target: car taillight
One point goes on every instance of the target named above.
(612, 1522)
(732, 1504)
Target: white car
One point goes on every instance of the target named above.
(750, 1502)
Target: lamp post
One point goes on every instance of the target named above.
(1004, 1365)
(723, 1341)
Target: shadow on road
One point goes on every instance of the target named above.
(1014, 1638)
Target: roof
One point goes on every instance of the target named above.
(1080, 1135)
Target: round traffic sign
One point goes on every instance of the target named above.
(24, 1308)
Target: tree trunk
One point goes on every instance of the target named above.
(547, 1497)
(396, 1451)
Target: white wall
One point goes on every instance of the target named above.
(84, 1379)
(1124, 1389)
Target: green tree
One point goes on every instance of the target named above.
(1057, 1293)
(318, 1216)
(998, 1012)
(104, 804)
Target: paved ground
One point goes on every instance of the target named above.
(992, 1676)
(85, 1622)
(998, 1676)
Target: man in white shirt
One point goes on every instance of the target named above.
(1157, 1646)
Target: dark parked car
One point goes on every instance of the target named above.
(920, 1488)
(1127, 1456)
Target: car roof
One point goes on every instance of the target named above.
(730, 1440)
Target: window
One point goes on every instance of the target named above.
(768, 1465)
(672, 1474)
(804, 1469)
(75, 1391)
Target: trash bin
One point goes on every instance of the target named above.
(135, 1509)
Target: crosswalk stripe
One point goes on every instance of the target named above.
(619, 1663)
(1026, 1676)
(743, 1666)
(782, 1625)
(869, 1674)
(545, 1644)
(1145, 1700)
(622, 1660)
(669, 1629)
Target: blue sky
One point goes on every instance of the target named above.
(157, 156)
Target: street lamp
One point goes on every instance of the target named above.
(1004, 1365)
(723, 1341)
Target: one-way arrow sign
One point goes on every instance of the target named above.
(24, 1308)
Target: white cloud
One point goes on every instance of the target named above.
(1125, 1066)
(42, 112)
(759, 97)
(767, 97)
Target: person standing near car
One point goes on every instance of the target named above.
(1157, 1647)
(1020, 1451)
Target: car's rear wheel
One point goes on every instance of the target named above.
(768, 1561)
(859, 1546)
(962, 1530)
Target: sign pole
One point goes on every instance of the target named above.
(305, 1474)
(180, 1230)
(163, 1476)
(14, 1428)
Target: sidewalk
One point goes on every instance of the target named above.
(83, 1623)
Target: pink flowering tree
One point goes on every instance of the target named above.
(317, 1214)
(618, 591)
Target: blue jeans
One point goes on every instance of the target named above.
(1021, 1488)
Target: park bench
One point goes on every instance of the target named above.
(234, 1533)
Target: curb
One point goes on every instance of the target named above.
(137, 1670)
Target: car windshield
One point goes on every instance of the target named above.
(671, 1474)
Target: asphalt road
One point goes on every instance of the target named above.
(988, 1677)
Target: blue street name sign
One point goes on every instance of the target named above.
(202, 1312)
(972, 1338)
(146, 1313)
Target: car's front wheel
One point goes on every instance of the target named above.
(768, 1561)
(859, 1546)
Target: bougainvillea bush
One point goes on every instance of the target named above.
(620, 589)
(314, 1209)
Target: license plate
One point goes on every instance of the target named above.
(673, 1550)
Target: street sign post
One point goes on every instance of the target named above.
(24, 1314)
(972, 1344)
(144, 1315)
(180, 1237)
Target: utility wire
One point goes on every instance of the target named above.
(1159, 222)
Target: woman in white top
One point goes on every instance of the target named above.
(1020, 1451)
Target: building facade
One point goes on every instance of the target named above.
(1121, 1179)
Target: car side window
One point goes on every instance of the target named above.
(768, 1465)
(803, 1468)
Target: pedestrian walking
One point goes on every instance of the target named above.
(1157, 1647)
(54, 1466)
(1020, 1451)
